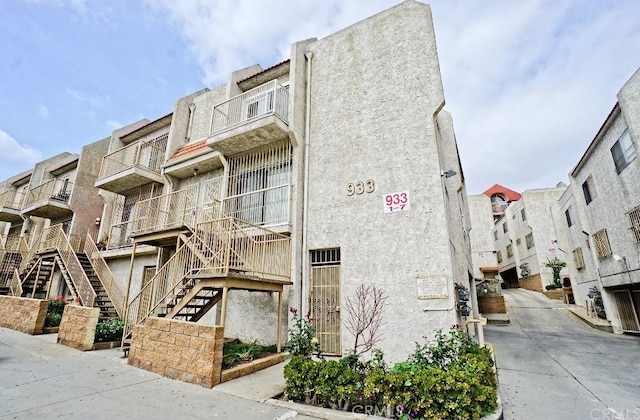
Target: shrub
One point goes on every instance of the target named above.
(234, 352)
(54, 311)
(450, 378)
(109, 330)
(302, 340)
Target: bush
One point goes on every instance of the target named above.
(109, 330)
(235, 351)
(54, 312)
(302, 336)
(451, 378)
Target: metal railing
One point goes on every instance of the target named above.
(15, 285)
(104, 274)
(176, 209)
(11, 199)
(268, 206)
(54, 238)
(55, 189)
(217, 248)
(138, 154)
(120, 235)
(31, 252)
(269, 98)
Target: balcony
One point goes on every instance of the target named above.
(49, 200)
(131, 166)
(11, 206)
(255, 118)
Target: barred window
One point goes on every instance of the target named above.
(505, 229)
(567, 215)
(509, 251)
(499, 256)
(577, 258)
(529, 240)
(495, 235)
(634, 219)
(601, 242)
(523, 214)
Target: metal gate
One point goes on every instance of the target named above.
(325, 299)
(628, 314)
(145, 298)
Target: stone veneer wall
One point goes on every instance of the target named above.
(78, 327)
(179, 350)
(23, 314)
(491, 304)
(533, 282)
(554, 294)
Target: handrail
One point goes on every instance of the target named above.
(55, 238)
(104, 274)
(120, 235)
(138, 154)
(269, 98)
(28, 256)
(56, 189)
(12, 199)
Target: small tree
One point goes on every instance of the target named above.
(364, 316)
(556, 266)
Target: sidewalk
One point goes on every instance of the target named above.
(597, 323)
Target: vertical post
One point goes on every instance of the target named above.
(223, 310)
(126, 298)
(279, 333)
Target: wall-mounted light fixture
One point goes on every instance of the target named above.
(98, 221)
(195, 171)
(448, 174)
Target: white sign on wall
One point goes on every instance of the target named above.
(396, 202)
(432, 287)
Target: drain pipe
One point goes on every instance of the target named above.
(305, 254)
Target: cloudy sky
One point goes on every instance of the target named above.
(528, 82)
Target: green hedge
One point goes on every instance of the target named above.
(451, 379)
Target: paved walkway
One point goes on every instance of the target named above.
(41, 379)
(552, 365)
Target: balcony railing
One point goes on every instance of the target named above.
(11, 199)
(55, 189)
(168, 211)
(140, 154)
(120, 235)
(265, 207)
(270, 98)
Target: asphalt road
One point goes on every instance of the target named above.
(552, 365)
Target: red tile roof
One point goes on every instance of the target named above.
(189, 149)
(510, 195)
(263, 70)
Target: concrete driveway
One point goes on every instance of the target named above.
(552, 365)
(40, 379)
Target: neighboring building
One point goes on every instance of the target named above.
(602, 213)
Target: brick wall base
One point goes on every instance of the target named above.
(533, 282)
(554, 294)
(78, 327)
(179, 350)
(491, 304)
(23, 314)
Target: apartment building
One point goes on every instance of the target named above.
(602, 213)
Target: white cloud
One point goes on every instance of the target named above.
(114, 125)
(19, 153)
(91, 99)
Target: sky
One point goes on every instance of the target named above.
(528, 82)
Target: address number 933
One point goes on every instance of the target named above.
(360, 187)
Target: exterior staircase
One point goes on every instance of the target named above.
(102, 301)
(37, 276)
(10, 260)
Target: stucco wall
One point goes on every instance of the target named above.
(364, 126)
(23, 314)
(78, 327)
(179, 350)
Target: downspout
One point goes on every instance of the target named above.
(305, 254)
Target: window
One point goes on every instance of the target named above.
(509, 251)
(518, 241)
(505, 229)
(495, 235)
(529, 240)
(634, 218)
(623, 151)
(589, 190)
(523, 214)
(601, 242)
(259, 185)
(577, 258)
(499, 256)
(567, 215)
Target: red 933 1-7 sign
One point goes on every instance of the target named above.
(396, 202)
